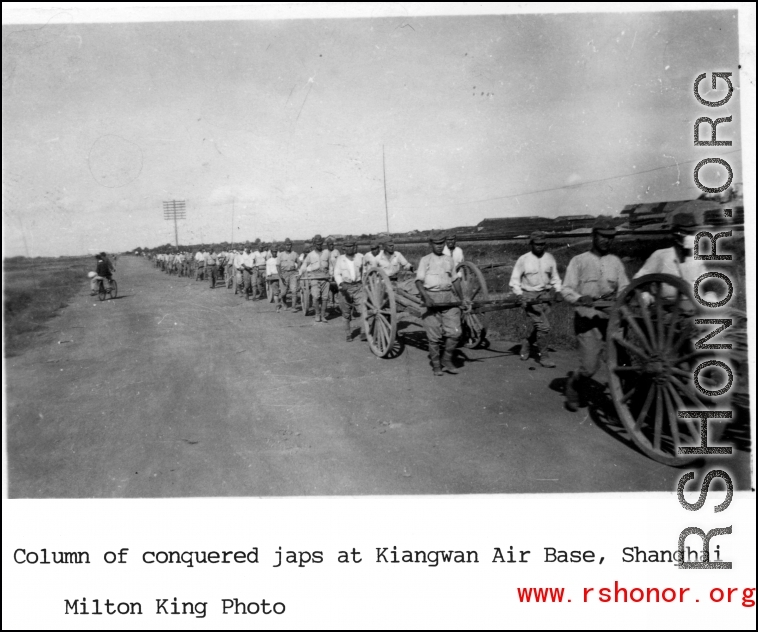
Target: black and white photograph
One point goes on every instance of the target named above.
(376, 252)
(366, 256)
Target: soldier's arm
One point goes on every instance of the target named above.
(515, 283)
(555, 279)
(337, 275)
(571, 282)
(623, 279)
(420, 276)
(422, 293)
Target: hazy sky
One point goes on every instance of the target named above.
(275, 129)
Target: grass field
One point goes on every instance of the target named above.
(35, 289)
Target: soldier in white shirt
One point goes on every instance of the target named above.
(302, 279)
(248, 272)
(178, 263)
(438, 283)
(452, 250)
(211, 263)
(272, 275)
(199, 265)
(237, 262)
(374, 258)
(316, 267)
(394, 261)
(534, 278)
(592, 275)
(229, 266)
(304, 254)
(348, 274)
(287, 263)
(333, 254)
(678, 260)
(259, 272)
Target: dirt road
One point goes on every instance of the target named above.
(174, 389)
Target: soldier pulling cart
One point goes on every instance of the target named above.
(649, 346)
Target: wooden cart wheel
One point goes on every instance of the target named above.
(381, 312)
(474, 289)
(650, 344)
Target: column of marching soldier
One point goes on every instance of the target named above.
(326, 273)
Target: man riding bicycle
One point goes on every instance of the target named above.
(102, 272)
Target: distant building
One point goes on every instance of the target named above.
(709, 210)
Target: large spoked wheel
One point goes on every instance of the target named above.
(381, 312)
(305, 295)
(650, 343)
(474, 289)
(101, 291)
(114, 288)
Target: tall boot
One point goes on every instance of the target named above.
(447, 356)
(348, 330)
(525, 350)
(542, 351)
(278, 303)
(323, 310)
(434, 356)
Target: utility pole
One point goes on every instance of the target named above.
(175, 209)
(386, 209)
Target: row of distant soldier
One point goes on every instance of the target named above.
(593, 275)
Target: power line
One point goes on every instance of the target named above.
(565, 186)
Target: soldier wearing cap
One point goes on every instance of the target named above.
(229, 265)
(287, 267)
(302, 278)
(592, 275)
(306, 249)
(315, 267)
(237, 265)
(211, 261)
(247, 272)
(438, 283)
(333, 254)
(348, 274)
(187, 265)
(375, 257)
(272, 276)
(678, 260)
(394, 261)
(535, 278)
(200, 264)
(178, 262)
(452, 250)
(266, 250)
(259, 271)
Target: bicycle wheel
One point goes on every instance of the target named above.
(114, 288)
(101, 293)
